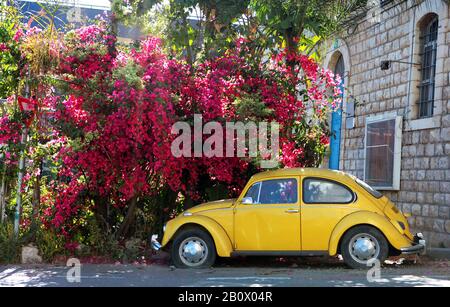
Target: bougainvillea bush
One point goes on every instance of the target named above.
(110, 112)
(116, 119)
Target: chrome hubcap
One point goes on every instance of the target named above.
(364, 247)
(193, 251)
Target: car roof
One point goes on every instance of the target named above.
(319, 172)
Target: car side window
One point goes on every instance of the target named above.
(320, 191)
(253, 192)
(278, 191)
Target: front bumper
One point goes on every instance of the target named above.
(418, 247)
(154, 243)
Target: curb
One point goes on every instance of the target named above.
(438, 253)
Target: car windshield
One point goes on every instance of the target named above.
(369, 189)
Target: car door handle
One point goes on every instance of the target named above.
(292, 211)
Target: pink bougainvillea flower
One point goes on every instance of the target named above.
(19, 34)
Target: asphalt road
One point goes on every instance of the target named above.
(235, 273)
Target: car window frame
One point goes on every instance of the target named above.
(259, 192)
(353, 193)
(369, 189)
(279, 178)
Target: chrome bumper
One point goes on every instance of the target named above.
(154, 243)
(418, 247)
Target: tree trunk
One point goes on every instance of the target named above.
(3, 198)
(291, 46)
(112, 51)
(129, 218)
(209, 33)
(189, 53)
(101, 213)
(167, 199)
(36, 202)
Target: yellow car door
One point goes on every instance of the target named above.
(267, 217)
(324, 203)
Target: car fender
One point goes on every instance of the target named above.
(219, 235)
(394, 237)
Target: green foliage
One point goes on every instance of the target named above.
(192, 29)
(98, 242)
(199, 29)
(10, 61)
(133, 250)
(251, 108)
(311, 135)
(291, 19)
(9, 245)
(310, 46)
(101, 242)
(49, 243)
(131, 73)
(217, 191)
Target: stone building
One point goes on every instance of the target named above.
(394, 131)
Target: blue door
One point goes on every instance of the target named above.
(336, 121)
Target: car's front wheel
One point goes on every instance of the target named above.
(362, 245)
(193, 248)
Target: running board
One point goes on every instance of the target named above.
(279, 253)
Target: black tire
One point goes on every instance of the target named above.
(200, 237)
(376, 240)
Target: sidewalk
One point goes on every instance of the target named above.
(233, 272)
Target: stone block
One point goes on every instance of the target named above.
(443, 163)
(429, 150)
(433, 187)
(446, 120)
(420, 175)
(30, 255)
(434, 211)
(444, 212)
(422, 163)
(444, 187)
(447, 226)
(445, 134)
(425, 209)
(438, 226)
(419, 223)
(406, 208)
(435, 135)
(416, 210)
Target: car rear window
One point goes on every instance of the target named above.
(325, 191)
(369, 189)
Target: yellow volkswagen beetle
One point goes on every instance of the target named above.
(293, 212)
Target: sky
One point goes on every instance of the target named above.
(83, 3)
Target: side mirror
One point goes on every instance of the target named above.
(247, 200)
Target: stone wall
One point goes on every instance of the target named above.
(425, 152)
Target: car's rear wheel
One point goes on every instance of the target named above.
(193, 248)
(362, 245)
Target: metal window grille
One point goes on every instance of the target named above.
(383, 137)
(429, 50)
(380, 153)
